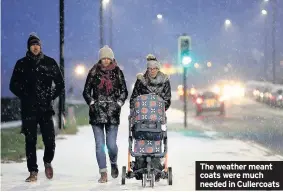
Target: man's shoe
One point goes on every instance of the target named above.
(103, 178)
(114, 170)
(32, 177)
(48, 170)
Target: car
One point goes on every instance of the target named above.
(276, 97)
(209, 101)
(266, 95)
(181, 92)
(259, 93)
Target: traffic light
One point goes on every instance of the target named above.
(184, 48)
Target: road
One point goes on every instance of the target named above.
(76, 169)
(246, 120)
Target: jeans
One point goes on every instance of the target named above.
(48, 135)
(111, 143)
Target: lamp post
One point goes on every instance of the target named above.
(101, 24)
(274, 12)
(111, 24)
(61, 106)
(186, 61)
(264, 13)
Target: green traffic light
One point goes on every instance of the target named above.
(186, 60)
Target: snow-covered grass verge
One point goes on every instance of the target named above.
(13, 145)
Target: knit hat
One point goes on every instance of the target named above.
(152, 61)
(150, 57)
(153, 64)
(33, 40)
(106, 52)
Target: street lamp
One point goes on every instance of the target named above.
(80, 70)
(105, 2)
(227, 22)
(159, 16)
(209, 64)
(196, 65)
(264, 12)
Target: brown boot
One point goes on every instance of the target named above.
(48, 170)
(32, 177)
(103, 178)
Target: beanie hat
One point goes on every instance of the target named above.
(153, 64)
(151, 57)
(33, 40)
(106, 52)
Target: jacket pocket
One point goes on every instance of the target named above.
(114, 109)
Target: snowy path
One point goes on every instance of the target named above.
(76, 168)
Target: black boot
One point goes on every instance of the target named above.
(114, 170)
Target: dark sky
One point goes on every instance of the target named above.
(137, 32)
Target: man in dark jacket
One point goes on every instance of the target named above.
(31, 82)
(152, 81)
(105, 92)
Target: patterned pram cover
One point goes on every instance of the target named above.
(150, 108)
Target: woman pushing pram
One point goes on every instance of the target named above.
(152, 82)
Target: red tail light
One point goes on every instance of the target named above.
(271, 97)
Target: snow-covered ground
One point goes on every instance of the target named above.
(76, 168)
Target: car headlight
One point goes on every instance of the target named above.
(216, 89)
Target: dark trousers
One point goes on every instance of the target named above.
(29, 126)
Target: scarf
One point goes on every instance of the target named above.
(152, 83)
(105, 80)
(159, 79)
(36, 58)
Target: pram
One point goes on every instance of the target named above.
(146, 131)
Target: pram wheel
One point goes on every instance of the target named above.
(170, 176)
(148, 177)
(144, 180)
(124, 175)
(152, 180)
